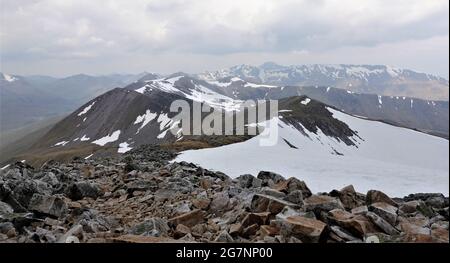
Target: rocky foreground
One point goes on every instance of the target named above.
(144, 198)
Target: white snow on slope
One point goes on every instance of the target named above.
(85, 110)
(107, 139)
(199, 93)
(236, 79)
(61, 143)
(362, 72)
(84, 138)
(174, 79)
(9, 78)
(124, 147)
(305, 101)
(168, 128)
(214, 99)
(163, 120)
(145, 118)
(142, 90)
(395, 160)
(253, 85)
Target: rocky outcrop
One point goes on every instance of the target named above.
(144, 198)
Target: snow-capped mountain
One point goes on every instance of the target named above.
(394, 159)
(21, 103)
(187, 87)
(29, 99)
(114, 122)
(375, 79)
(425, 115)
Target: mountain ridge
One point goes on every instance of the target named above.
(374, 79)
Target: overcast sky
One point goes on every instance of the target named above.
(61, 38)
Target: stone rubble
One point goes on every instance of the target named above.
(143, 198)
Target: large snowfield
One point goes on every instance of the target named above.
(395, 160)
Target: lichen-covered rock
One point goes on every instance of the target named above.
(48, 205)
(154, 227)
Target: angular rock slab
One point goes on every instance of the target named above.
(265, 203)
(306, 229)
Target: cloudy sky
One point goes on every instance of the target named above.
(129, 36)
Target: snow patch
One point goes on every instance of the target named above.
(124, 147)
(107, 139)
(379, 100)
(84, 138)
(61, 143)
(305, 101)
(395, 160)
(174, 79)
(253, 85)
(163, 120)
(9, 78)
(145, 118)
(141, 90)
(85, 110)
(89, 156)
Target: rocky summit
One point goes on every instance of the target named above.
(143, 197)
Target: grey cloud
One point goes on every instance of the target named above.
(115, 30)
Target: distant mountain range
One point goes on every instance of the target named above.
(424, 115)
(28, 99)
(373, 79)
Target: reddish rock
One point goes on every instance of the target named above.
(357, 225)
(385, 211)
(266, 203)
(374, 196)
(201, 203)
(409, 207)
(250, 230)
(267, 230)
(291, 185)
(360, 210)
(181, 230)
(256, 218)
(189, 219)
(382, 224)
(322, 203)
(306, 229)
(440, 235)
(349, 197)
(236, 229)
